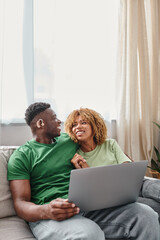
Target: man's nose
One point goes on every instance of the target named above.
(59, 121)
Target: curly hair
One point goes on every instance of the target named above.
(34, 109)
(96, 121)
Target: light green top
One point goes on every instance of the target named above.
(108, 153)
(47, 166)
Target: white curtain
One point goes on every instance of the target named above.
(138, 77)
(16, 59)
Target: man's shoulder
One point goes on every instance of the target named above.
(65, 141)
(23, 149)
(19, 163)
(64, 137)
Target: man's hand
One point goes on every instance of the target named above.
(79, 162)
(60, 209)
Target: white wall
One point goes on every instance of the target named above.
(14, 134)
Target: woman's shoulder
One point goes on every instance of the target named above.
(110, 141)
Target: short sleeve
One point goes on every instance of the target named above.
(18, 166)
(120, 156)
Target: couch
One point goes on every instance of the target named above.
(11, 226)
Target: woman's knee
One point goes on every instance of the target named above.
(147, 216)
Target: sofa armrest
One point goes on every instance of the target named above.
(151, 178)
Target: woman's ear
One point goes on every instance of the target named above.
(40, 123)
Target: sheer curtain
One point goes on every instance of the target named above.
(16, 59)
(138, 75)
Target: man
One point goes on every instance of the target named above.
(39, 174)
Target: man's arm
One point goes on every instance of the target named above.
(58, 209)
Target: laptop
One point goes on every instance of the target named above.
(106, 186)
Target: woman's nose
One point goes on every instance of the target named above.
(78, 125)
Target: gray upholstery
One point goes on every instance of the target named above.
(11, 226)
(14, 228)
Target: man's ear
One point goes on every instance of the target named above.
(40, 123)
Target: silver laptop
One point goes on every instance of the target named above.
(106, 186)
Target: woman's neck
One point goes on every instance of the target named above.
(88, 146)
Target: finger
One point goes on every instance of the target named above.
(75, 162)
(75, 155)
(80, 157)
(61, 203)
(74, 158)
(66, 211)
(60, 199)
(62, 217)
(66, 200)
(83, 160)
(83, 165)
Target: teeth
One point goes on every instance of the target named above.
(79, 132)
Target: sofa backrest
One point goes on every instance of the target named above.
(6, 202)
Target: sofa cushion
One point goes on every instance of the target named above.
(15, 228)
(6, 203)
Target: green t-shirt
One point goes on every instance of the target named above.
(108, 153)
(47, 166)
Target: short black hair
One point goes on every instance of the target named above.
(34, 109)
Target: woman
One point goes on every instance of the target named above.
(87, 128)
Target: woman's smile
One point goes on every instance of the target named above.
(79, 132)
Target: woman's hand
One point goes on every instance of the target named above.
(79, 162)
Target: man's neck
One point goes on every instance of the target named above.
(44, 140)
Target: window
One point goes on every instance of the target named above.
(74, 45)
(16, 64)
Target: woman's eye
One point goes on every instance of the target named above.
(84, 123)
